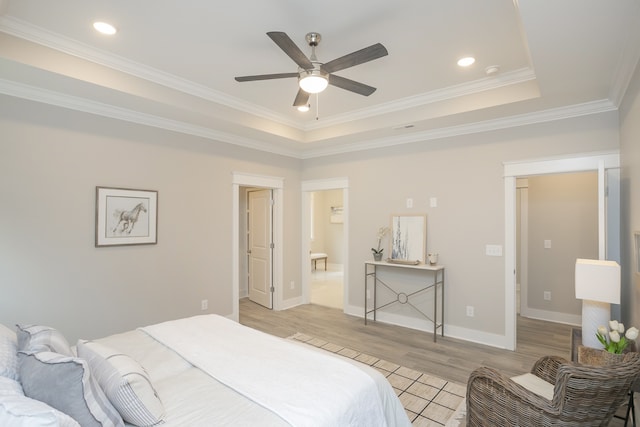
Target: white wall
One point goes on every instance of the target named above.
(630, 196)
(465, 175)
(52, 159)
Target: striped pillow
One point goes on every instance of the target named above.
(125, 382)
(8, 353)
(36, 338)
(65, 384)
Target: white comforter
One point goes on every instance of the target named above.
(319, 391)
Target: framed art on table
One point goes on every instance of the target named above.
(126, 217)
(409, 237)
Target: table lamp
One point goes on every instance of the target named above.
(598, 286)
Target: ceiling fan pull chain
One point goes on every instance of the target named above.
(317, 106)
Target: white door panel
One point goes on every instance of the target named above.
(259, 244)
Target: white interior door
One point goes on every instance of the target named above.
(260, 247)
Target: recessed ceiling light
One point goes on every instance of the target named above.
(104, 28)
(466, 61)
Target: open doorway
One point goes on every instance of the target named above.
(606, 165)
(557, 223)
(325, 205)
(326, 248)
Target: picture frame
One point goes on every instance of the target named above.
(126, 217)
(408, 238)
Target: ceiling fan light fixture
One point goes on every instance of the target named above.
(313, 81)
(304, 108)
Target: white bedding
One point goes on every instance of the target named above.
(192, 398)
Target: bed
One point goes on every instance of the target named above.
(198, 371)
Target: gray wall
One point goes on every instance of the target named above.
(52, 159)
(630, 196)
(465, 174)
(563, 208)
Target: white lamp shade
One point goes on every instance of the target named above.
(598, 280)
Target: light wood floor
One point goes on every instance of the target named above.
(449, 358)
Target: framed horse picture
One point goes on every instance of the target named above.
(126, 217)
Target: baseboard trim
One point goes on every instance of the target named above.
(471, 335)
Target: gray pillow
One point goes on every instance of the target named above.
(125, 382)
(65, 384)
(36, 338)
(16, 409)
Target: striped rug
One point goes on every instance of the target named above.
(428, 400)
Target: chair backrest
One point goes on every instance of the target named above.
(595, 392)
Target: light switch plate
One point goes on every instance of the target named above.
(494, 250)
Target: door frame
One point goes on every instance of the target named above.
(241, 179)
(307, 188)
(513, 170)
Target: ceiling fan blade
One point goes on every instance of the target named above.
(302, 98)
(290, 48)
(266, 77)
(350, 85)
(355, 58)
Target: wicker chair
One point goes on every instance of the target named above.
(583, 395)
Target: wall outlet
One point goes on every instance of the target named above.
(409, 203)
(469, 311)
(547, 295)
(292, 284)
(204, 304)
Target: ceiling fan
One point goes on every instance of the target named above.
(314, 76)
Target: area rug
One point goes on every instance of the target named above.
(428, 400)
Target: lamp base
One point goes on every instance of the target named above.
(594, 314)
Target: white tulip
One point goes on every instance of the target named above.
(632, 333)
(614, 336)
(620, 328)
(613, 325)
(602, 331)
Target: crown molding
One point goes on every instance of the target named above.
(88, 106)
(451, 92)
(561, 113)
(41, 36)
(58, 99)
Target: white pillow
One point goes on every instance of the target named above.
(125, 382)
(36, 338)
(17, 410)
(8, 353)
(65, 383)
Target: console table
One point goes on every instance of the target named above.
(434, 272)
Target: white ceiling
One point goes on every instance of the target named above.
(172, 65)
